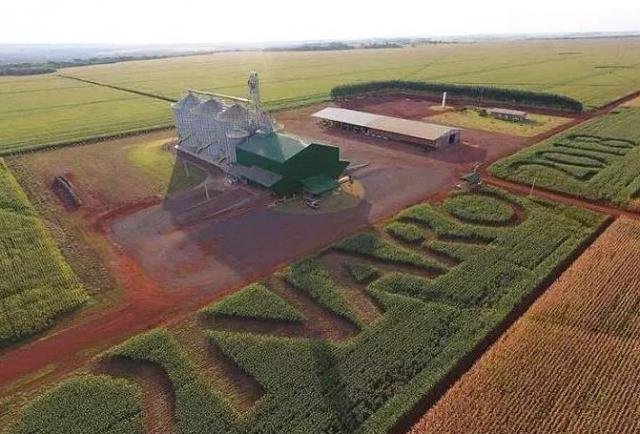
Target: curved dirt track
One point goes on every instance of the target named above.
(557, 197)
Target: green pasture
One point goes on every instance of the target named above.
(159, 163)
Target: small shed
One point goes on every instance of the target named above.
(507, 114)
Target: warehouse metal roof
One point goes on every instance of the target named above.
(405, 127)
(273, 146)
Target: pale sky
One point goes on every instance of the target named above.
(212, 21)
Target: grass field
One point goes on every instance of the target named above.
(366, 345)
(633, 103)
(534, 125)
(36, 284)
(41, 110)
(155, 159)
(593, 71)
(598, 160)
(45, 110)
(570, 364)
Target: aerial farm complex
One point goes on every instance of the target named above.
(331, 246)
(242, 140)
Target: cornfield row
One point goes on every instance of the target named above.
(36, 284)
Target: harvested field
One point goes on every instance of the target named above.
(358, 354)
(570, 364)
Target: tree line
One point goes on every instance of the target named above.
(479, 93)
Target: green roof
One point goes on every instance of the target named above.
(472, 177)
(319, 184)
(274, 146)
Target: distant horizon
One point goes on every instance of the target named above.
(481, 37)
(145, 22)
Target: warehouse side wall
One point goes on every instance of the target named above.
(313, 160)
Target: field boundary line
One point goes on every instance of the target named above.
(413, 416)
(120, 88)
(86, 141)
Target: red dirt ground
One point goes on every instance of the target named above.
(167, 270)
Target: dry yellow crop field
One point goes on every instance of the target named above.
(570, 363)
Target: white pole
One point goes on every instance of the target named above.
(206, 190)
(444, 99)
(532, 186)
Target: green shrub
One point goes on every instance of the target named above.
(199, 409)
(36, 284)
(366, 383)
(598, 160)
(444, 226)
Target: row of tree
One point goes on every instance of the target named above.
(479, 93)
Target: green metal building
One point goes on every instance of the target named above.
(285, 165)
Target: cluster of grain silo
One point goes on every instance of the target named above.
(211, 125)
(238, 136)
